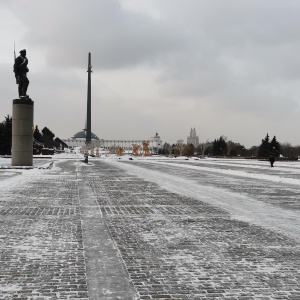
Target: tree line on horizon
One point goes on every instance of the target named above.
(222, 147)
(44, 138)
(218, 147)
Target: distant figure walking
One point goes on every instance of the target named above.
(271, 160)
(21, 69)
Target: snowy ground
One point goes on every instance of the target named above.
(255, 209)
(149, 228)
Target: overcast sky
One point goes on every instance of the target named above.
(227, 68)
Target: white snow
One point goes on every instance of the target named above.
(240, 206)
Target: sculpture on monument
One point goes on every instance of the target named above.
(21, 70)
(135, 149)
(22, 116)
(120, 151)
(146, 151)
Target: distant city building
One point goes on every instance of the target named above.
(79, 140)
(180, 142)
(156, 143)
(193, 138)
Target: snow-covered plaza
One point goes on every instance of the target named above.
(150, 228)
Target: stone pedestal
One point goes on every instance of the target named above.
(22, 132)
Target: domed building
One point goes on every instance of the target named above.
(82, 135)
(79, 139)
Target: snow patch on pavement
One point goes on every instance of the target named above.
(240, 207)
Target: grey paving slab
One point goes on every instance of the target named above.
(101, 231)
(177, 247)
(41, 246)
(106, 274)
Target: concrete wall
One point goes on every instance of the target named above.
(22, 134)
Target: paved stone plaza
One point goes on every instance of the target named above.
(122, 229)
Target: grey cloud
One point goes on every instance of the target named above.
(240, 57)
(116, 37)
(8, 83)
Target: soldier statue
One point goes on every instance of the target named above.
(21, 69)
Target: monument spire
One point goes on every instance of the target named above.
(89, 105)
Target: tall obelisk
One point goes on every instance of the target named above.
(89, 105)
